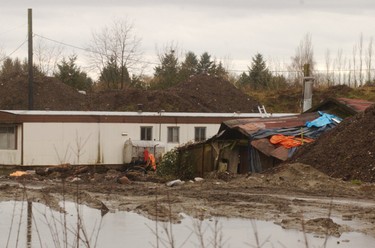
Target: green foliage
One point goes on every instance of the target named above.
(259, 77)
(14, 67)
(11, 67)
(189, 66)
(176, 164)
(171, 72)
(114, 76)
(166, 74)
(138, 82)
(69, 73)
(205, 65)
(356, 182)
(168, 165)
(185, 168)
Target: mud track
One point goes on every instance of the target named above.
(295, 197)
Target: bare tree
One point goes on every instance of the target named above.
(339, 64)
(304, 55)
(360, 51)
(350, 73)
(354, 54)
(369, 60)
(328, 66)
(116, 45)
(46, 57)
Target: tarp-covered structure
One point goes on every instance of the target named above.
(256, 144)
(253, 145)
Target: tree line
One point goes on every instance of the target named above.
(114, 52)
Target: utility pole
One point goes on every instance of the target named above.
(30, 42)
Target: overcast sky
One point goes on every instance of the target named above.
(229, 30)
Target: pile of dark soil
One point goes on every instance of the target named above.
(214, 95)
(201, 93)
(49, 93)
(347, 151)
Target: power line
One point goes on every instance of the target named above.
(154, 63)
(5, 57)
(83, 49)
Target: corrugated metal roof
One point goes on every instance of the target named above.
(342, 107)
(250, 126)
(358, 105)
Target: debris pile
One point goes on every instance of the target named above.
(87, 174)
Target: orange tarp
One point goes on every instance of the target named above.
(288, 141)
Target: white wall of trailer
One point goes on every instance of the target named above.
(94, 137)
(91, 143)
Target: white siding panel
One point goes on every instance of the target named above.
(58, 143)
(113, 139)
(92, 143)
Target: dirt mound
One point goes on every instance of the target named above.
(214, 94)
(201, 93)
(49, 93)
(347, 151)
(150, 100)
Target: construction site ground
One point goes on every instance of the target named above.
(296, 196)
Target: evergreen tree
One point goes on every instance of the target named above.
(243, 80)
(259, 75)
(220, 71)
(70, 74)
(189, 66)
(166, 74)
(205, 65)
(12, 67)
(113, 76)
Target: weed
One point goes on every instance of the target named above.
(356, 182)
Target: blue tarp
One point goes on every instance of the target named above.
(323, 120)
(312, 129)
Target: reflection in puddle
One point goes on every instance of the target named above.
(35, 225)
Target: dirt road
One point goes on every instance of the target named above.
(296, 196)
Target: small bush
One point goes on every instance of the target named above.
(167, 166)
(176, 164)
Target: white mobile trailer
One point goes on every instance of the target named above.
(44, 138)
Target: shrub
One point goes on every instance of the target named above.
(176, 163)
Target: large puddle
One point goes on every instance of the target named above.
(25, 224)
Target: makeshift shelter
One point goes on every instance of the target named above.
(253, 145)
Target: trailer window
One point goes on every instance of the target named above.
(7, 137)
(146, 133)
(173, 134)
(200, 134)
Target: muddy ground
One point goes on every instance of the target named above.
(296, 196)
